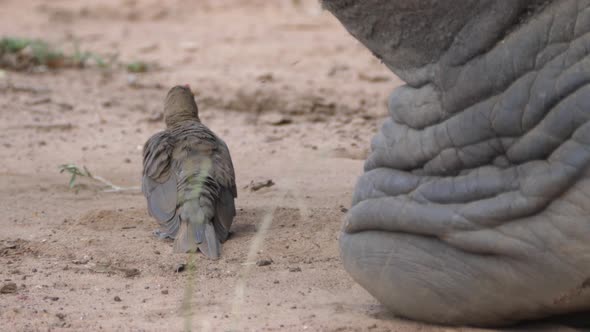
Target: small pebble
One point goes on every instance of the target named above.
(264, 262)
(8, 288)
(130, 273)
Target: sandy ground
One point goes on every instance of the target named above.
(293, 95)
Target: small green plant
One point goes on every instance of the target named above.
(80, 58)
(13, 45)
(40, 52)
(100, 62)
(75, 172)
(137, 67)
(44, 54)
(24, 53)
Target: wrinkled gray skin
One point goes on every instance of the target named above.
(474, 207)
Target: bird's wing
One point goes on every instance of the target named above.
(225, 176)
(159, 183)
(224, 168)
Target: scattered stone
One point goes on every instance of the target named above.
(132, 80)
(39, 101)
(295, 269)
(117, 299)
(268, 77)
(352, 153)
(26, 88)
(9, 246)
(337, 69)
(8, 288)
(65, 106)
(60, 316)
(270, 139)
(156, 117)
(373, 78)
(83, 261)
(130, 273)
(49, 127)
(180, 267)
(275, 119)
(264, 262)
(52, 298)
(189, 46)
(343, 209)
(149, 48)
(165, 292)
(255, 186)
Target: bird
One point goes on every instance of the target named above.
(188, 179)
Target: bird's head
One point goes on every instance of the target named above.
(180, 106)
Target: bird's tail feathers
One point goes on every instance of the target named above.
(185, 239)
(210, 245)
(197, 231)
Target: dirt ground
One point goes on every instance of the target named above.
(294, 96)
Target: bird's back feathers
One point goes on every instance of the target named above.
(189, 184)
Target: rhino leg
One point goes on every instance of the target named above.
(474, 207)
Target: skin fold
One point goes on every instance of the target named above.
(475, 202)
